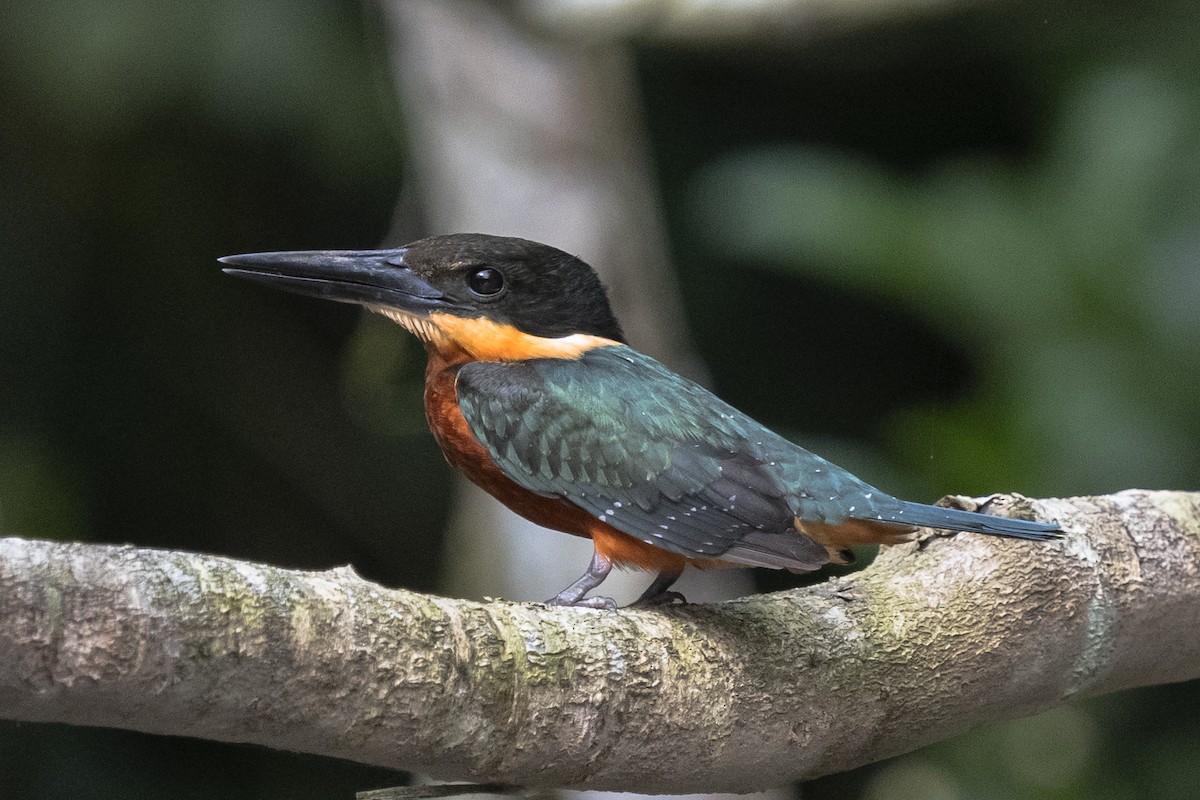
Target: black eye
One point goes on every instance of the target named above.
(485, 281)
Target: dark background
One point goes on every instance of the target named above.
(956, 253)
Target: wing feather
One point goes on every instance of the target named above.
(654, 455)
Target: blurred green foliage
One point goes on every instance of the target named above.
(1050, 272)
(957, 253)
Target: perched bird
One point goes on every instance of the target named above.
(533, 393)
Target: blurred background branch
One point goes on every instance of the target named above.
(729, 23)
(539, 138)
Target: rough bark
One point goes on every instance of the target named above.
(938, 636)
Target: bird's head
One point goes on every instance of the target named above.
(466, 295)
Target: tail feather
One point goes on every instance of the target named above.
(953, 519)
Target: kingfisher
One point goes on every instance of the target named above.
(533, 392)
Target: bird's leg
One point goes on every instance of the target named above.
(573, 595)
(658, 593)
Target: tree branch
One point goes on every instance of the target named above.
(730, 22)
(938, 636)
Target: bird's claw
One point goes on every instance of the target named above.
(606, 603)
(661, 599)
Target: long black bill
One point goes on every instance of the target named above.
(369, 277)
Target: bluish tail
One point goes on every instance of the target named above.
(952, 519)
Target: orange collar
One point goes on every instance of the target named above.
(461, 339)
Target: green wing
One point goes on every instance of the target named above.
(656, 456)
